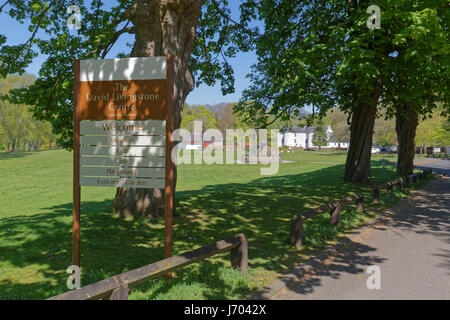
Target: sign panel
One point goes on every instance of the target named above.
(144, 68)
(148, 162)
(122, 172)
(131, 94)
(121, 89)
(123, 123)
(138, 99)
(128, 128)
(123, 141)
(123, 182)
(123, 151)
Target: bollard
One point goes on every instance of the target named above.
(390, 188)
(407, 181)
(297, 231)
(376, 195)
(239, 255)
(334, 215)
(400, 184)
(360, 203)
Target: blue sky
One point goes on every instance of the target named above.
(18, 33)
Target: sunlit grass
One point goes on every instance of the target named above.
(213, 202)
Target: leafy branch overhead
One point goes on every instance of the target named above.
(219, 37)
(321, 53)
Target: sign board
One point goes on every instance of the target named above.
(123, 122)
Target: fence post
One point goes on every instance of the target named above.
(400, 184)
(121, 292)
(408, 181)
(297, 231)
(334, 215)
(376, 194)
(390, 188)
(360, 203)
(239, 255)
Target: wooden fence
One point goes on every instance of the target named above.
(297, 233)
(116, 288)
(400, 183)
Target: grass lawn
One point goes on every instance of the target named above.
(213, 202)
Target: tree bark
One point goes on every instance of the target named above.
(406, 121)
(17, 145)
(162, 27)
(357, 167)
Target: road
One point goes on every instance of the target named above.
(411, 247)
(438, 166)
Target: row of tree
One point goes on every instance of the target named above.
(220, 116)
(323, 53)
(19, 131)
(432, 131)
(317, 52)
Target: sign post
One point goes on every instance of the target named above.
(123, 124)
(76, 232)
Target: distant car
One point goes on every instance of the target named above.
(375, 150)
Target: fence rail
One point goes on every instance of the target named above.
(297, 233)
(116, 288)
(400, 183)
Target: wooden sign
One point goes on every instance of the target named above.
(123, 124)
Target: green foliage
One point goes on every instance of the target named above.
(51, 95)
(322, 53)
(219, 37)
(433, 131)
(213, 202)
(338, 122)
(320, 137)
(384, 131)
(17, 124)
(197, 113)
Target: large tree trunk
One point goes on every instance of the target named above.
(357, 167)
(406, 120)
(162, 27)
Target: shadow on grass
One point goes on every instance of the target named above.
(36, 250)
(352, 260)
(16, 155)
(426, 215)
(39, 247)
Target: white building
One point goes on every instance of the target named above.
(301, 137)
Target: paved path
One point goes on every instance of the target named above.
(438, 166)
(411, 246)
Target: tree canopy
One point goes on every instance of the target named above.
(18, 127)
(219, 37)
(322, 53)
(197, 113)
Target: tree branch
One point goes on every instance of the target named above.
(106, 47)
(227, 17)
(115, 37)
(38, 26)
